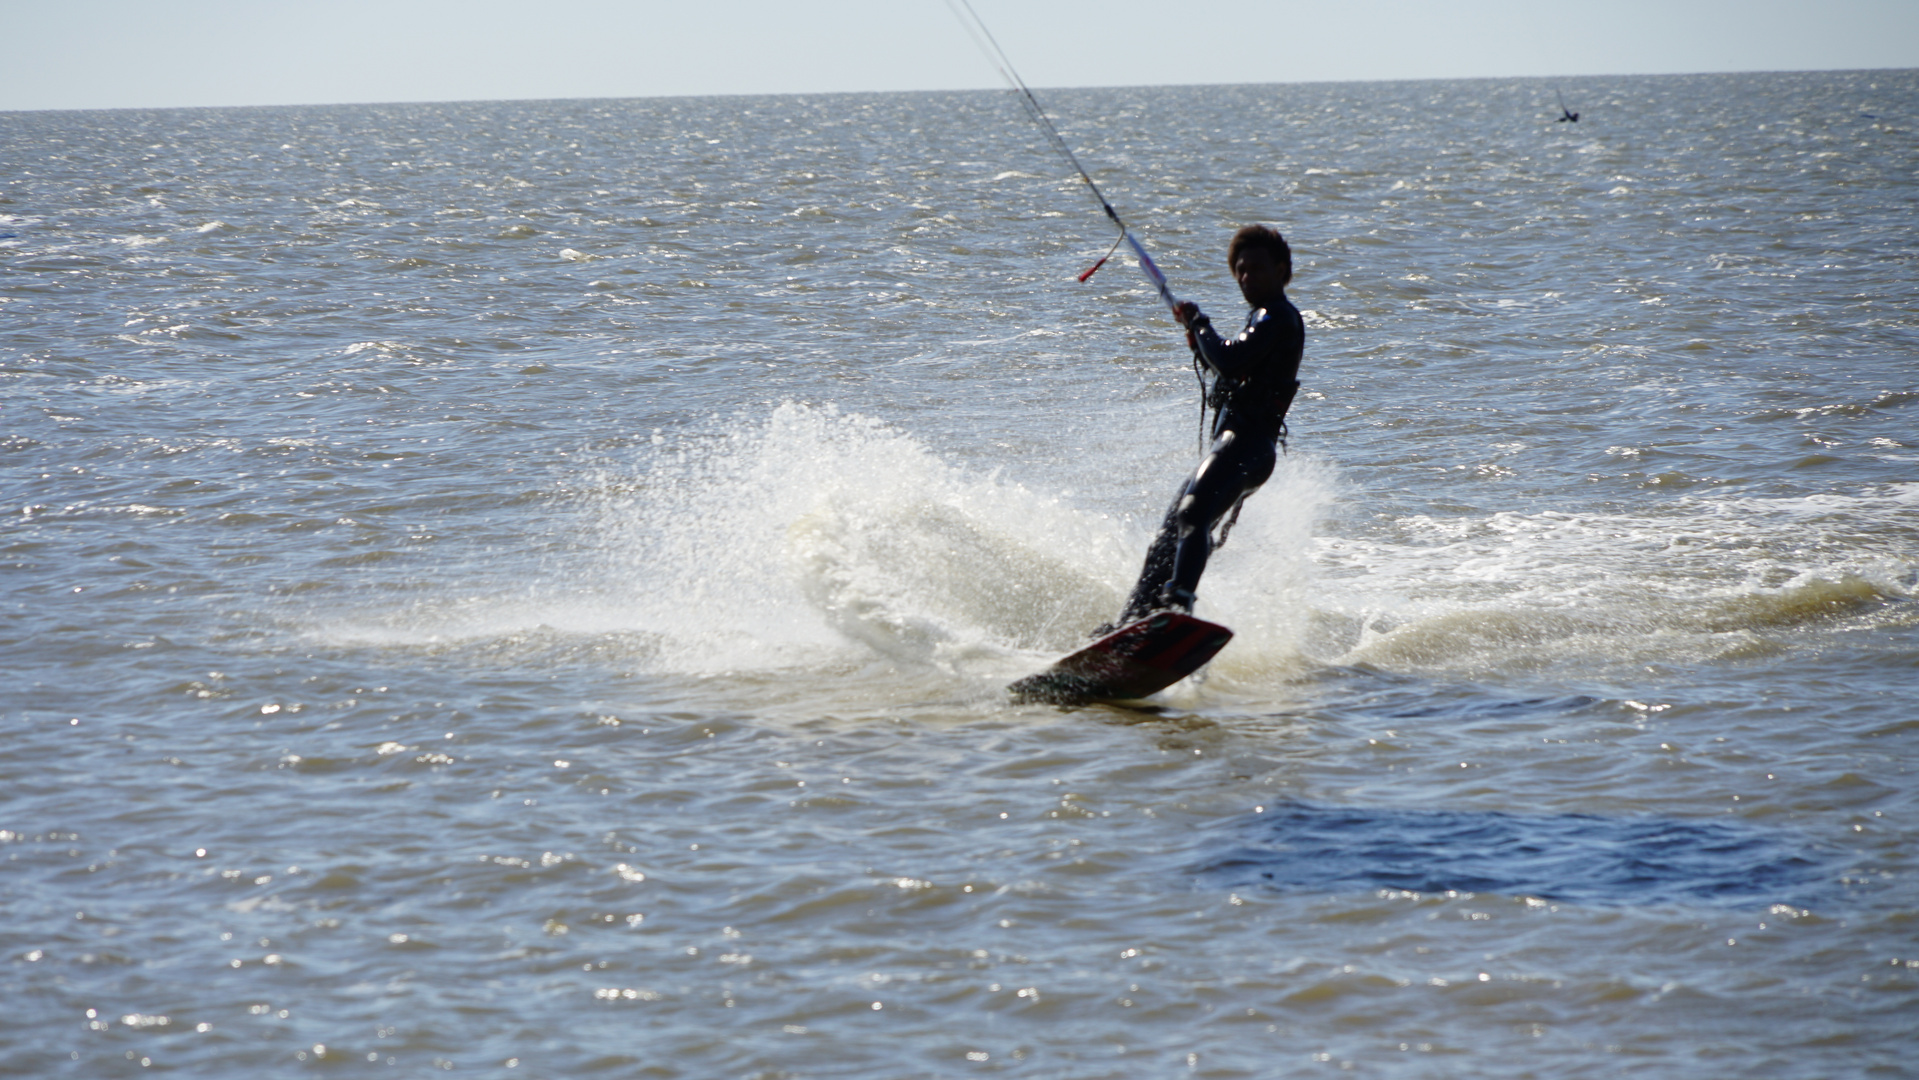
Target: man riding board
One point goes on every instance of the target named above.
(1255, 377)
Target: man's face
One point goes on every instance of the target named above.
(1261, 280)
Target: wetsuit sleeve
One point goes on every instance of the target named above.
(1261, 347)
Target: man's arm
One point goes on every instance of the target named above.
(1239, 357)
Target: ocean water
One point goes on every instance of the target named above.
(525, 588)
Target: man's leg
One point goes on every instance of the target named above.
(1159, 563)
(1235, 469)
(1232, 470)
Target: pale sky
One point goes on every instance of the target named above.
(85, 54)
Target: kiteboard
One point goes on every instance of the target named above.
(1138, 659)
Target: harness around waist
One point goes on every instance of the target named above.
(1250, 406)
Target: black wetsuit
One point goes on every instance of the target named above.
(1257, 375)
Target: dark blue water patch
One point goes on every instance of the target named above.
(1579, 858)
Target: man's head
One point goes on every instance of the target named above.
(1261, 262)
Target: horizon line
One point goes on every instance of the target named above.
(937, 90)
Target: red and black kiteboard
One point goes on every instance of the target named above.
(1138, 659)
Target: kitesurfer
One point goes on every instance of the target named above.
(1255, 377)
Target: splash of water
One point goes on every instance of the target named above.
(815, 538)
(1700, 579)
